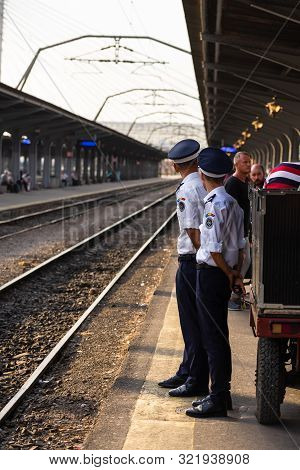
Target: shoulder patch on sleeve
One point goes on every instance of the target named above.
(181, 206)
(209, 222)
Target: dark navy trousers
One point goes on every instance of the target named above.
(194, 366)
(213, 293)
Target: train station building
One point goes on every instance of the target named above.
(113, 277)
(45, 140)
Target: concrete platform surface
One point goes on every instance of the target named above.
(139, 415)
(22, 199)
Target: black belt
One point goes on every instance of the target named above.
(205, 266)
(187, 257)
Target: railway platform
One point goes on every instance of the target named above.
(10, 201)
(139, 415)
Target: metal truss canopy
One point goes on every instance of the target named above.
(244, 53)
(26, 114)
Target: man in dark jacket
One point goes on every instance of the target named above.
(237, 186)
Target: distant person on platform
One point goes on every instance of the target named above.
(237, 186)
(109, 176)
(3, 178)
(26, 181)
(118, 175)
(75, 179)
(64, 178)
(8, 181)
(257, 175)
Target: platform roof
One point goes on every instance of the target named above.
(20, 112)
(244, 53)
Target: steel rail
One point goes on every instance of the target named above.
(60, 208)
(51, 209)
(99, 234)
(35, 227)
(15, 400)
(101, 196)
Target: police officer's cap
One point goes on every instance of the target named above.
(214, 162)
(184, 151)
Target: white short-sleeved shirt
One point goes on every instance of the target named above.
(222, 229)
(190, 208)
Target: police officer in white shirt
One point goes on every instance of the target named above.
(192, 376)
(219, 261)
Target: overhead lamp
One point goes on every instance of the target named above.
(273, 107)
(237, 144)
(246, 134)
(25, 140)
(240, 142)
(257, 124)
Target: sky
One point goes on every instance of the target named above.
(71, 75)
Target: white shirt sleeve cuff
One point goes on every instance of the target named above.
(215, 247)
(242, 244)
(190, 224)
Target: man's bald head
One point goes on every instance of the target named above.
(257, 175)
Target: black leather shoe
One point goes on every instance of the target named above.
(187, 390)
(172, 382)
(228, 401)
(208, 409)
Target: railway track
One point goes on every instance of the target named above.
(37, 323)
(13, 226)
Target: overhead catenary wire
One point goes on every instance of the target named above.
(51, 65)
(253, 70)
(92, 89)
(145, 30)
(69, 106)
(165, 72)
(181, 74)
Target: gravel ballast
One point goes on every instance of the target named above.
(61, 410)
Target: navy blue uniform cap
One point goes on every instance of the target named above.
(214, 162)
(184, 151)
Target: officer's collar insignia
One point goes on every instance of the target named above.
(178, 187)
(211, 198)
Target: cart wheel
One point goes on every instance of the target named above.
(270, 380)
